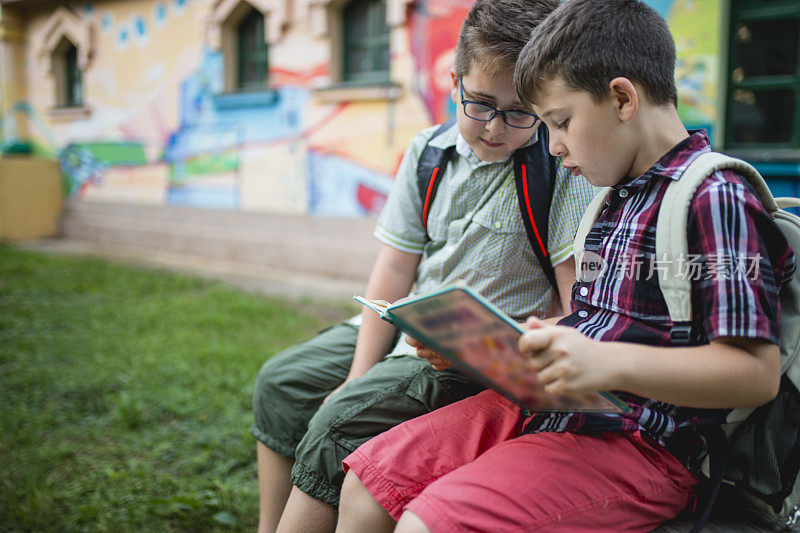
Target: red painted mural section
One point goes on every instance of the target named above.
(434, 31)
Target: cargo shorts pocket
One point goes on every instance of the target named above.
(416, 395)
(381, 411)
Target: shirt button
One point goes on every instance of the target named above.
(498, 225)
(584, 291)
(583, 314)
(623, 193)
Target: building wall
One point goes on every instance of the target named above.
(159, 129)
(697, 26)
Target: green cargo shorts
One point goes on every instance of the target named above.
(291, 420)
(291, 385)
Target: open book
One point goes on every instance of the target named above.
(481, 341)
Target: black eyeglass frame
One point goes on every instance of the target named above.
(495, 111)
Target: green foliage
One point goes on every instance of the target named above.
(125, 395)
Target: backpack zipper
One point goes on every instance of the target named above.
(791, 521)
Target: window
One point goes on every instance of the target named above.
(69, 84)
(763, 104)
(244, 31)
(253, 66)
(366, 42)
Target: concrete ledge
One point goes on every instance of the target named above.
(332, 247)
(259, 280)
(285, 254)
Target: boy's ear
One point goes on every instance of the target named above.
(625, 97)
(454, 93)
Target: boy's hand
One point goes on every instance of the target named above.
(436, 361)
(567, 362)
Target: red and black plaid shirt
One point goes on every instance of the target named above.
(743, 261)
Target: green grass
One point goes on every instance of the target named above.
(125, 395)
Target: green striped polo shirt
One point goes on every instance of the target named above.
(476, 230)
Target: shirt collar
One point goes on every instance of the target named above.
(453, 137)
(672, 164)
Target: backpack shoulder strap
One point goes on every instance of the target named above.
(534, 189)
(671, 226)
(430, 168)
(535, 195)
(590, 216)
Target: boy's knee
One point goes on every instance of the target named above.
(411, 523)
(270, 384)
(359, 510)
(352, 491)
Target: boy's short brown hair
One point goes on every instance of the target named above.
(588, 43)
(495, 31)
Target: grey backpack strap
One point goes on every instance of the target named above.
(672, 246)
(584, 227)
(786, 202)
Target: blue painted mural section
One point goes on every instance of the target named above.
(215, 124)
(262, 116)
(215, 127)
(662, 6)
(339, 187)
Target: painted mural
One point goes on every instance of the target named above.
(162, 130)
(697, 27)
(435, 25)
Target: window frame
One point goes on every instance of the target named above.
(73, 78)
(246, 56)
(752, 11)
(374, 42)
(68, 75)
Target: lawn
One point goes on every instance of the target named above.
(125, 395)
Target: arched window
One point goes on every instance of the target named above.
(66, 48)
(253, 52)
(366, 42)
(69, 79)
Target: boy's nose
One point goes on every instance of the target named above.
(556, 147)
(496, 125)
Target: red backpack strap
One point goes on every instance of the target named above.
(430, 170)
(535, 175)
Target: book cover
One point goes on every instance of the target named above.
(482, 341)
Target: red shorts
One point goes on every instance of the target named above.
(465, 467)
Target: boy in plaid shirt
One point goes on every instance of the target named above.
(600, 73)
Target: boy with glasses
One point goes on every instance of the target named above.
(316, 402)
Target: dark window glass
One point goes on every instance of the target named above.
(766, 48)
(761, 116)
(762, 110)
(73, 84)
(366, 41)
(253, 52)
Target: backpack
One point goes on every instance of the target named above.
(534, 190)
(755, 450)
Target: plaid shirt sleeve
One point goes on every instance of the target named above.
(743, 261)
(571, 197)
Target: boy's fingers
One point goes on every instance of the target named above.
(552, 374)
(534, 323)
(535, 340)
(438, 363)
(538, 362)
(425, 353)
(414, 342)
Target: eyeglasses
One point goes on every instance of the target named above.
(484, 113)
